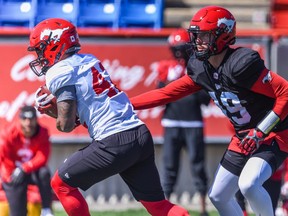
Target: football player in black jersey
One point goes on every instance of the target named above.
(254, 99)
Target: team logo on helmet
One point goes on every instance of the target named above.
(227, 24)
(267, 78)
(55, 34)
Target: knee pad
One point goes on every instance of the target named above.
(70, 197)
(59, 186)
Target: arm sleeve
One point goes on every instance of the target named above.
(6, 151)
(274, 86)
(66, 93)
(172, 92)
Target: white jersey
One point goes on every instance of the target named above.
(100, 105)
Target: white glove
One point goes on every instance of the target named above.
(284, 189)
(42, 100)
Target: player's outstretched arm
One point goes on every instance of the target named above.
(171, 92)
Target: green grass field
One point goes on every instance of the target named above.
(140, 212)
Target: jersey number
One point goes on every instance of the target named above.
(231, 106)
(100, 84)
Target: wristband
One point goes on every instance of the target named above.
(268, 123)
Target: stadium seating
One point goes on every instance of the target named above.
(66, 9)
(17, 13)
(84, 13)
(99, 13)
(141, 13)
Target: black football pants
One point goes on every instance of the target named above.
(174, 140)
(17, 194)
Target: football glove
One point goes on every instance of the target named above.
(251, 142)
(45, 102)
(18, 176)
(42, 100)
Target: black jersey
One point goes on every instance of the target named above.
(230, 86)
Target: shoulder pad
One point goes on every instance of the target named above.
(58, 76)
(245, 64)
(195, 68)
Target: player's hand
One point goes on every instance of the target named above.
(284, 189)
(45, 102)
(42, 100)
(252, 140)
(18, 176)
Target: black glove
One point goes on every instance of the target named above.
(18, 176)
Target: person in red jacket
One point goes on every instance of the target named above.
(24, 151)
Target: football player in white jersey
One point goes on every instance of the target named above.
(121, 144)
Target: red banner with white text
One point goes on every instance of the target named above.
(131, 66)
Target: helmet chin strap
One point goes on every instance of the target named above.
(204, 55)
(59, 54)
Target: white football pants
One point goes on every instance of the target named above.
(225, 185)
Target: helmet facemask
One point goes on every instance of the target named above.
(40, 62)
(207, 38)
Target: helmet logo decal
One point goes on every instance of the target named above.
(227, 24)
(267, 78)
(55, 34)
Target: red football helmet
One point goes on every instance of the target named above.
(178, 42)
(218, 28)
(51, 39)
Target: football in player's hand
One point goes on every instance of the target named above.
(45, 101)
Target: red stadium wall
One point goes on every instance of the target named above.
(131, 60)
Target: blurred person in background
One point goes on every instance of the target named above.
(25, 150)
(182, 121)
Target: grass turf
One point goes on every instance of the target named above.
(140, 212)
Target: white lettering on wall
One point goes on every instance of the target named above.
(212, 111)
(126, 77)
(9, 109)
(129, 77)
(21, 71)
(150, 79)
